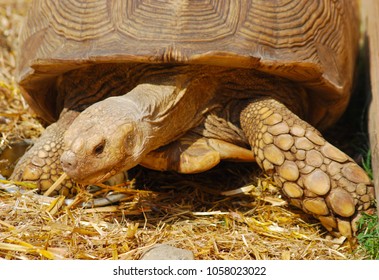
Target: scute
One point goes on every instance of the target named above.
(300, 39)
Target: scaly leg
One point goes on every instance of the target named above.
(41, 164)
(314, 175)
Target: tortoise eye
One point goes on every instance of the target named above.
(98, 150)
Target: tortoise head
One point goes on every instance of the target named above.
(103, 140)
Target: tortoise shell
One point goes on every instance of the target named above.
(313, 43)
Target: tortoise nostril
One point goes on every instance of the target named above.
(68, 160)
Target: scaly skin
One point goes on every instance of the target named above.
(41, 164)
(314, 175)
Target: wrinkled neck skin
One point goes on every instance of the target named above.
(132, 125)
(165, 112)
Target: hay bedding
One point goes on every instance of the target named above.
(227, 213)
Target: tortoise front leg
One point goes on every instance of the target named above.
(41, 164)
(313, 174)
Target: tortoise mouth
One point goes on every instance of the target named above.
(101, 178)
(94, 178)
(81, 173)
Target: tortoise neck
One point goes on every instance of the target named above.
(165, 112)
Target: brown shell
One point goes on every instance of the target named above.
(313, 42)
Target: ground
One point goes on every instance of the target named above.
(231, 212)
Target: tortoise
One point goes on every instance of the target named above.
(183, 85)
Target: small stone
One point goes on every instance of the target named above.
(316, 206)
(167, 252)
(280, 128)
(273, 119)
(355, 174)
(314, 158)
(292, 190)
(303, 144)
(328, 222)
(317, 182)
(315, 138)
(273, 154)
(344, 227)
(297, 130)
(341, 202)
(289, 171)
(333, 153)
(361, 189)
(284, 142)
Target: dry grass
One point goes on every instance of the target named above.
(187, 211)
